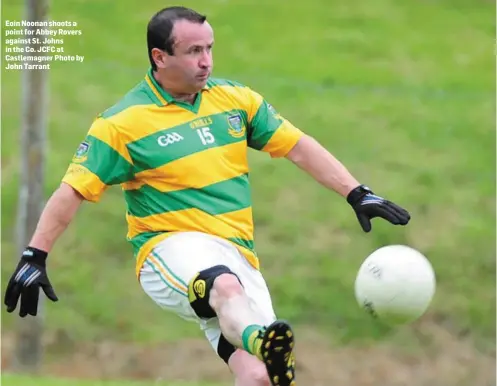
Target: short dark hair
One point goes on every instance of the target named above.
(160, 27)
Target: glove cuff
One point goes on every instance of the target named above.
(35, 255)
(356, 194)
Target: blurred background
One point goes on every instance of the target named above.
(401, 91)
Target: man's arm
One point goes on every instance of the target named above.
(31, 272)
(100, 161)
(313, 158)
(56, 216)
(273, 134)
(309, 155)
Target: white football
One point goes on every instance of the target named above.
(396, 284)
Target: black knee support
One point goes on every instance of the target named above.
(200, 287)
(225, 349)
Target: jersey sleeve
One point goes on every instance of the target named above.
(100, 161)
(268, 131)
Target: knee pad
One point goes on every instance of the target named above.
(199, 289)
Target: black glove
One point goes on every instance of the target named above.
(26, 281)
(367, 206)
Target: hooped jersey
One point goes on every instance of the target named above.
(182, 167)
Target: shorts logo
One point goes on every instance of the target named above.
(199, 288)
(81, 154)
(237, 128)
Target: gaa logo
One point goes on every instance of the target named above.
(165, 140)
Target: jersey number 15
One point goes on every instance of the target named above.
(205, 135)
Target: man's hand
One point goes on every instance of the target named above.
(367, 206)
(26, 281)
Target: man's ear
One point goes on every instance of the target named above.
(160, 57)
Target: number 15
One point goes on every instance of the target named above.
(205, 135)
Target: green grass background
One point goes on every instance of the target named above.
(14, 380)
(401, 92)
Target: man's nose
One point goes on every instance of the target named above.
(205, 60)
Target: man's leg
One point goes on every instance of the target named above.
(237, 314)
(248, 370)
(218, 291)
(182, 272)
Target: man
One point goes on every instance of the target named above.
(177, 144)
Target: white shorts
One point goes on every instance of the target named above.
(177, 259)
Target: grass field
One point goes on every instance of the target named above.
(401, 92)
(11, 380)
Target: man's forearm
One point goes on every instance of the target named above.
(56, 216)
(313, 158)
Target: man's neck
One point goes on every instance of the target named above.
(188, 98)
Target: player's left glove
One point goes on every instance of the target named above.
(368, 205)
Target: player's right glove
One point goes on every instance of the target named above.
(25, 283)
(368, 205)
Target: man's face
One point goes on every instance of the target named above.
(191, 65)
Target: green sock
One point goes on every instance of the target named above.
(250, 340)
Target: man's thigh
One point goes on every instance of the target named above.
(172, 264)
(176, 260)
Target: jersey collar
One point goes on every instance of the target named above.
(162, 95)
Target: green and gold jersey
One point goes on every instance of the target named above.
(182, 167)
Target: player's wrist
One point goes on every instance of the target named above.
(35, 255)
(356, 194)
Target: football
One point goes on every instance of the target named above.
(395, 284)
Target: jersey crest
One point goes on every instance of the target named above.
(237, 127)
(81, 153)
